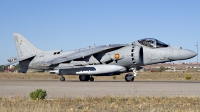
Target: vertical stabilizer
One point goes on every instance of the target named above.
(24, 47)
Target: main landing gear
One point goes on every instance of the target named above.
(62, 79)
(86, 78)
(130, 77)
(81, 78)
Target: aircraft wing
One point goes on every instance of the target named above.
(20, 59)
(82, 53)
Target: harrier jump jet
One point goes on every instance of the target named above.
(105, 60)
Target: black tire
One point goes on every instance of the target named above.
(91, 78)
(126, 78)
(133, 79)
(84, 77)
(62, 79)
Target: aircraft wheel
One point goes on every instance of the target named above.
(84, 77)
(91, 78)
(129, 78)
(62, 79)
(133, 79)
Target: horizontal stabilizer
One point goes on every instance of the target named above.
(20, 59)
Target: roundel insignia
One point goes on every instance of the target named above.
(21, 42)
(117, 56)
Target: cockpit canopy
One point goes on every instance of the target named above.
(151, 42)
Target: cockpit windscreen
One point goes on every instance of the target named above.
(151, 42)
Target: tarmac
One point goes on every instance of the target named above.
(74, 88)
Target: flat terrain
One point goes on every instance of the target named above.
(74, 88)
(149, 92)
(142, 76)
(145, 84)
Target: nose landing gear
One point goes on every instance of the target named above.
(130, 77)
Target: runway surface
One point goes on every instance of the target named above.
(57, 89)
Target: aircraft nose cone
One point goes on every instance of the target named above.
(182, 54)
(189, 54)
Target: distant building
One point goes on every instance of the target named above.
(180, 66)
(193, 63)
(180, 63)
(10, 68)
(170, 63)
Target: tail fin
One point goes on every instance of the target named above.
(24, 47)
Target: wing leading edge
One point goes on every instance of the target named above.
(81, 54)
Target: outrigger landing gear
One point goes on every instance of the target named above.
(86, 78)
(130, 77)
(62, 79)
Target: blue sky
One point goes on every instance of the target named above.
(73, 24)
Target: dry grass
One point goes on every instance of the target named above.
(158, 76)
(171, 76)
(102, 104)
(33, 76)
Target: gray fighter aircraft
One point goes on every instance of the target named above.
(105, 60)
